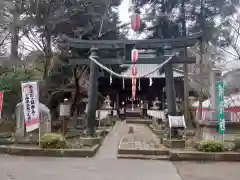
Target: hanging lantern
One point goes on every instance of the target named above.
(133, 95)
(134, 70)
(134, 81)
(135, 21)
(133, 92)
(134, 55)
(133, 88)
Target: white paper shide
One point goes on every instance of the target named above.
(30, 99)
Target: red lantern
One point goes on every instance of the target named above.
(134, 81)
(135, 21)
(134, 55)
(133, 88)
(133, 95)
(134, 70)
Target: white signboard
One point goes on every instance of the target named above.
(30, 99)
(64, 110)
(176, 122)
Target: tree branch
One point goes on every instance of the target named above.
(36, 41)
(33, 43)
(23, 46)
(229, 52)
(4, 39)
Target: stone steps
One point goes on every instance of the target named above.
(138, 121)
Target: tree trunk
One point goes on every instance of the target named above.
(47, 51)
(75, 104)
(48, 59)
(15, 36)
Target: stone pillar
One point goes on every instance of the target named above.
(92, 95)
(20, 124)
(215, 75)
(170, 89)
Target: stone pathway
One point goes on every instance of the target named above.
(110, 145)
(142, 138)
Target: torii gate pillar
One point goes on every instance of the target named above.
(170, 89)
(92, 95)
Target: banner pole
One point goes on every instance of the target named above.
(39, 128)
(39, 135)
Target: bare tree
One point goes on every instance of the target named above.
(229, 31)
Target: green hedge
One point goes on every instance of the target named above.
(210, 146)
(53, 141)
(237, 145)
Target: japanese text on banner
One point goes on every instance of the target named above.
(31, 105)
(220, 107)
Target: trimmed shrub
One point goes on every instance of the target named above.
(237, 145)
(53, 141)
(210, 146)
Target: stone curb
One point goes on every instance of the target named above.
(30, 151)
(142, 157)
(176, 155)
(203, 156)
(35, 151)
(146, 152)
(186, 156)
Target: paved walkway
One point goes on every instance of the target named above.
(111, 142)
(208, 170)
(142, 138)
(105, 166)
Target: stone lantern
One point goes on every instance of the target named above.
(156, 104)
(107, 103)
(85, 101)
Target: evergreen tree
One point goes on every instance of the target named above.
(165, 14)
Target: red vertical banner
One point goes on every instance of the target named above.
(1, 102)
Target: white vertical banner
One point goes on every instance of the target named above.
(30, 99)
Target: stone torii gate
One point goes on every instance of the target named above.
(160, 47)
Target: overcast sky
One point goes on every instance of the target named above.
(124, 17)
(123, 10)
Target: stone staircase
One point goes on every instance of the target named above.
(138, 120)
(135, 113)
